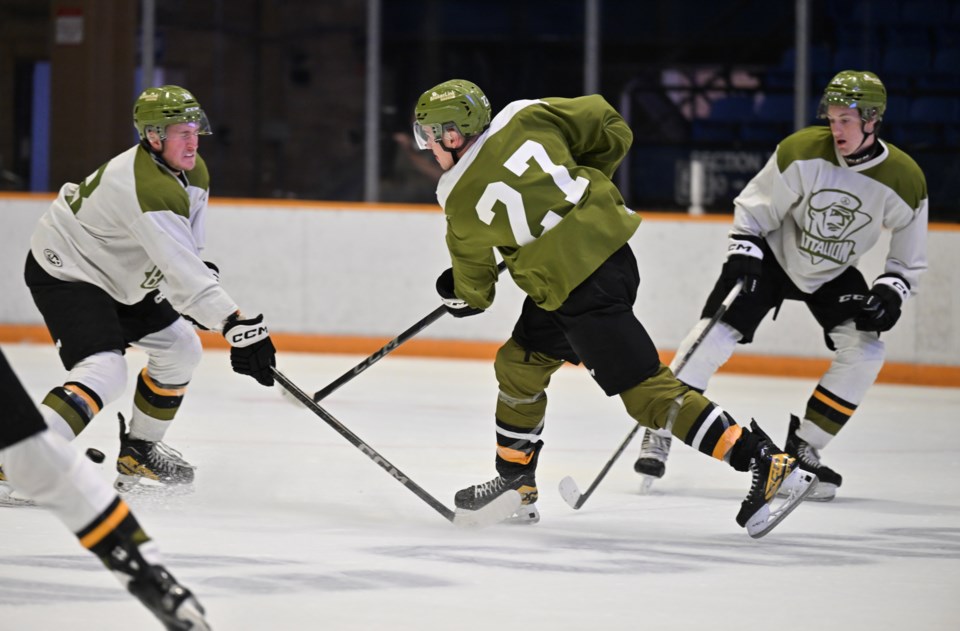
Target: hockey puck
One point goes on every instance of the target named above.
(95, 455)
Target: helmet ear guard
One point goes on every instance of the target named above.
(157, 108)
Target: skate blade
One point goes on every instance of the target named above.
(646, 483)
(140, 486)
(14, 500)
(800, 484)
(191, 612)
(498, 510)
(570, 492)
(823, 492)
(526, 515)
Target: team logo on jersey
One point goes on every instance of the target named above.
(153, 278)
(53, 258)
(831, 217)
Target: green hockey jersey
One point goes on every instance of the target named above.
(536, 186)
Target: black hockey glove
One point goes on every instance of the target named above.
(744, 261)
(252, 352)
(881, 309)
(456, 307)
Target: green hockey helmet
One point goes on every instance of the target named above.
(156, 108)
(455, 104)
(858, 89)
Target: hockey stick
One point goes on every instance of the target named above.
(390, 346)
(499, 509)
(568, 487)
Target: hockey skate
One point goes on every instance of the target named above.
(9, 496)
(772, 470)
(172, 603)
(652, 463)
(479, 495)
(809, 459)
(144, 460)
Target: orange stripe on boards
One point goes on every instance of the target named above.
(727, 439)
(764, 365)
(94, 537)
(648, 214)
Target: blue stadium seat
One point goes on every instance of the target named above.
(874, 12)
(852, 58)
(928, 123)
(925, 12)
(900, 66)
(724, 123)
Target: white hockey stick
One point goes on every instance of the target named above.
(496, 511)
(568, 487)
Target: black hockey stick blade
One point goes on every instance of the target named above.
(494, 512)
(386, 349)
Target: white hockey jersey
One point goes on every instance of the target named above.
(820, 215)
(131, 227)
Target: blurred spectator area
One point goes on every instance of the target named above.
(747, 107)
(284, 85)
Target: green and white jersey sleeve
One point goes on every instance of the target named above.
(820, 215)
(131, 227)
(537, 187)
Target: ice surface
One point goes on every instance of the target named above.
(291, 527)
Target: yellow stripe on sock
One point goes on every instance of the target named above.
(107, 526)
(820, 396)
(514, 455)
(83, 395)
(730, 436)
(167, 392)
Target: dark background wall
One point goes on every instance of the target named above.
(283, 84)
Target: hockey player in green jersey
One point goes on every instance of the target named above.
(42, 465)
(99, 259)
(534, 184)
(800, 225)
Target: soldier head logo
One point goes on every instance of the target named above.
(831, 217)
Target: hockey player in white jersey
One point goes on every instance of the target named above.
(114, 263)
(41, 464)
(800, 226)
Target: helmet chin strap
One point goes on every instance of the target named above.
(158, 155)
(858, 156)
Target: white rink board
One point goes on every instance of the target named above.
(372, 273)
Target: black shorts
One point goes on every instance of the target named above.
(834, 303)
(83, 319)
(20, 418)
(596, 325)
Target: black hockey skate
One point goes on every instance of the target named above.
(142, 459)
(652, 463)
(479, 495)
(771, 470)
(172, 603)
(809, 459)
